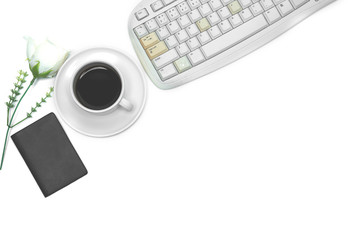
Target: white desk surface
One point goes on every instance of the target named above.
(266, 148)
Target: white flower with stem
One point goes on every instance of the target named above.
(45, 59)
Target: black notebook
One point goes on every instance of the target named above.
(49, 154)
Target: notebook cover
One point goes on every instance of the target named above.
(49, 154)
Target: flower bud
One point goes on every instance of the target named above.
(45, 58)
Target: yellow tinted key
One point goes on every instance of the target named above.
(203, 24)
(157, 50)
(149, 40)
(235, 7)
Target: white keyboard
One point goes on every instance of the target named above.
(178, 41)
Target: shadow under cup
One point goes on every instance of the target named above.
(97, 86)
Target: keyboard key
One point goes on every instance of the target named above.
(204, 38)
(225, 26)
(205, 9)
(214, 32)
(167, 2)
(267, 4)
(272, 15)
(235, 20)
(173, 14)
(192, 30)
(151, 25)
(213, 19)
(226, 2)
(194, 4)
(203, 24)
(173, 27)
(195, 15)
(182, 64)
(171, 42)
(143, 13)
(224, 13)
(245, 3)
(182, 36)
(168, 72)
(234, 7)
(193, 43)
(285, 8)
(183, 8)
(276, 2)
(234, 37)
(246, 15)
(184, 21)
(298, 3)
(149, 40)
(163, 33)
(156, 50)
(183, 49)
(162, 19)
(196, 57)
(215, 5)
(166, 58)
(156, 6)
(256, 9)
(140, 31)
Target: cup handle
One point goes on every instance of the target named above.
(126, 104)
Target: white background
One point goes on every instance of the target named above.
(266, 148)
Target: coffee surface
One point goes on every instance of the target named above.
(98, 87)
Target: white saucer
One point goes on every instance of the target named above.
(91, 124)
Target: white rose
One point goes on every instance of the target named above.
(45, 58)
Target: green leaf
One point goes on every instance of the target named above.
(43, 100)
(48, 95)
(45, 74)
(20, 87)
(38, 105)
(15, 92)
(51, 89)
(9, 105)
(33, 109)
(35, 69)
(28, 115)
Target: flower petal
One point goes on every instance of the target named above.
(31, 47)
(50, 57)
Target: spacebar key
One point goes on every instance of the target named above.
(234, 37)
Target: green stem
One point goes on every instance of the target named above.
(18, 123)
(5, 143)
(11, 126)
(19, 82)
(12, 118)
(7, 120)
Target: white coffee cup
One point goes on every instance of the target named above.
(120, 103)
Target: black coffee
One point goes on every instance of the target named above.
(97, 86)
